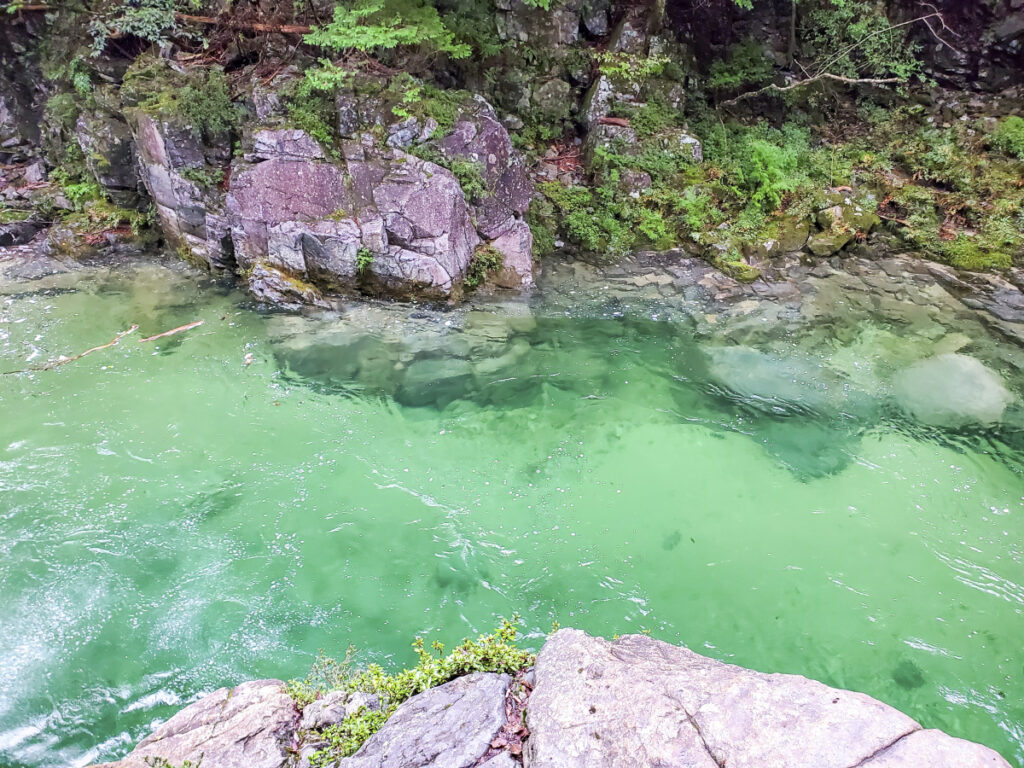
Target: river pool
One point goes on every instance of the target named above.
(217, 505)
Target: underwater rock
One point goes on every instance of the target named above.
(951, 390)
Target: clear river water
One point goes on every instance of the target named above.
(217, 505)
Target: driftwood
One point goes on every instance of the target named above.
(173, 331)
(65, 360)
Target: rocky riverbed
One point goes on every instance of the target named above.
(633, 702)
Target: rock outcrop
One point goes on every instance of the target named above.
(451, 726)
(301, 220)
(640, 702)
(248, 726)
(632, 703)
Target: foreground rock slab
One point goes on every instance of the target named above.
(450, 726)
(640, 702)
(248, 726)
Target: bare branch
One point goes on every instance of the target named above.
(801, 83)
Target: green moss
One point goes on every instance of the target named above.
(494, 652)
(200, 97)
(206, 177)
(967, 253)
(11, 215)
(486, 260)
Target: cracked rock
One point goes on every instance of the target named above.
(638, 702)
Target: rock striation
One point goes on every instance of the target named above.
(635, 702)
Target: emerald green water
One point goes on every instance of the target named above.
(173, 520)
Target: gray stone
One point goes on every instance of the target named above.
(288, 144)
(638, 702)
(430, 234)
(326, 711)
(934, 749)
(478, 136)
(516, 247)
(109, 149)
(552, 100)
(435, 382)
(952, 390)
(450, 726)
(248, 726)
(275, 287)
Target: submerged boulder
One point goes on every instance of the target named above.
(952, 390)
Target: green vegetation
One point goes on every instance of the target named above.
(372, 26)
(856, 39)
(151, 20)
(1009, 136)
(745, 66)
(494, 652)
(486, 260)
(205, 177)
(364, 258)
(201, 97)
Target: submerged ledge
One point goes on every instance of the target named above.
(634, 702)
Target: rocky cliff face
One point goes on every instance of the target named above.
(632, 703)
(378, 213)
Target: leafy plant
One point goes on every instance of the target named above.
(629, 66)
(744, 66)
(151, 20)
(494, 652)
(371, 26)
(364, 258)
(485, 261)
(1009, 136)
(854, 38)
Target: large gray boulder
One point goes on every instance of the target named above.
(450, 726)
(638, 702)
(249, 726)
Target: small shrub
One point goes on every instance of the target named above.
(205, 177)
(495, 652)
(364, 258)
(629, 66)
(485, 261)
(376, 25)
(1009, 136)
(745, 66)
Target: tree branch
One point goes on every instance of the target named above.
(823, 76)
(284, 29)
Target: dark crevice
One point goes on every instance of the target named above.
(888, 746)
